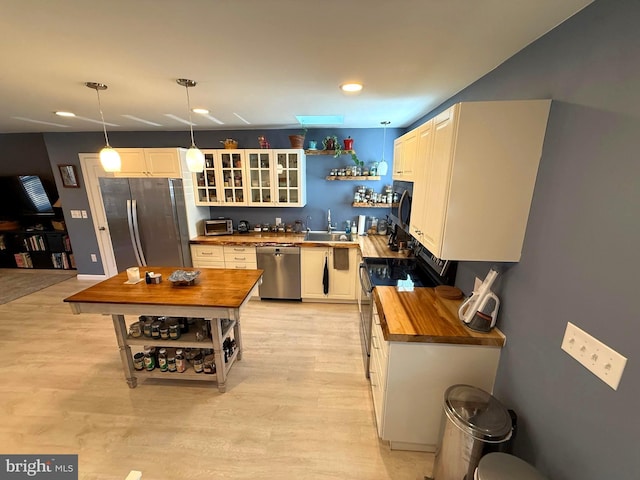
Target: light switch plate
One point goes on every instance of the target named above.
(595, 356)
(76, 214)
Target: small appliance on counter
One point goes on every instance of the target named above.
(480, 311)
(243, 226)
(218, 226)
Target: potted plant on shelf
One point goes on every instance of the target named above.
(297, 141)
(339, 151)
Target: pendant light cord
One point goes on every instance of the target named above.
(384, 136)
(193, 144)
(104, 126)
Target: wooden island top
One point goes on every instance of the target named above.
(214, 288)
(423, 316)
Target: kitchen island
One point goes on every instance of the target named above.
(217, 295)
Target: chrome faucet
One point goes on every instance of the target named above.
(329, 226)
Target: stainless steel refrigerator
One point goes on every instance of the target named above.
(147, 221)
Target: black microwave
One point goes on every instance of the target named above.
(401, 210)
(218, 226)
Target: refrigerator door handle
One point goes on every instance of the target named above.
(132, 233)
(136, 231)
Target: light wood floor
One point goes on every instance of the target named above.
(297, 406)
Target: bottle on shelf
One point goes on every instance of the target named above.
(149, 359)
(162, 360)
(181, 361)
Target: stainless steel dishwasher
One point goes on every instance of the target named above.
(281, 278)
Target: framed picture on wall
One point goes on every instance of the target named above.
(69, 176)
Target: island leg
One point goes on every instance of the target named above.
(237, 334)
(120, 328)
(221, 370)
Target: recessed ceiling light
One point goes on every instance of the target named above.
(351, 87)
(201, 111)
(66, 114)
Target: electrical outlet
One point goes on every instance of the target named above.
(84, 214)
(595, 356)
(278, 220)
(94, 257)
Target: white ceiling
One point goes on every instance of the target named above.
(265, 60)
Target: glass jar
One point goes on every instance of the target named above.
(146, 327)
(162, 360)
(198, 363)
(138, 361)
(181, 361)
(174, 330)
(164, 332)
(171, 361)
(149, 359)
(155, 329)
(135, 330)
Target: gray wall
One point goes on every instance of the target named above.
(580, 260)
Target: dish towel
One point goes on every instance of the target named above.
(341, 258)
(325, 277)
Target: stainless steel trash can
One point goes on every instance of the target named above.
(472, 421)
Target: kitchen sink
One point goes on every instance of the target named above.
(320, 236)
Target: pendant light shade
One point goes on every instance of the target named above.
(195, 158)
(109, 158)
(383, 167)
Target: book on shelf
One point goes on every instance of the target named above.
(23, 260)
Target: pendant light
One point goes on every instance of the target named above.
(195, 157)
(382, 166)
(109, 158)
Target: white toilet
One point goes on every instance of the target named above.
(502, 466)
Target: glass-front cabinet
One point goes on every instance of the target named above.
(223, 181)
(259, 178)
(277, 178)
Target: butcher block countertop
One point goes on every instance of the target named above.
(423, 316)
(223, 288)
(371, 246)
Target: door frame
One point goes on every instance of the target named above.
(91, 172)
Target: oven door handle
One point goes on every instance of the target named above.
(365, 283)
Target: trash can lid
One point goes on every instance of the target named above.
(477, 413)
(502, 466)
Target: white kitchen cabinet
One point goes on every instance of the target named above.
(277, 178)
(240, 257)
(207, 256)
(342, 283)
(409, 379)
(223, 181)
(404, 156)
(424, 137)
(476, 178)
(149, 162)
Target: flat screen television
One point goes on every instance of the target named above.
(24, 196)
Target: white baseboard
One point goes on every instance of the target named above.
(84, 276)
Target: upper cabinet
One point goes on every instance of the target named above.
(223, 181)
(149, 162)
(277, 178)
(404, 156)
(476, 168)
(264, 178)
